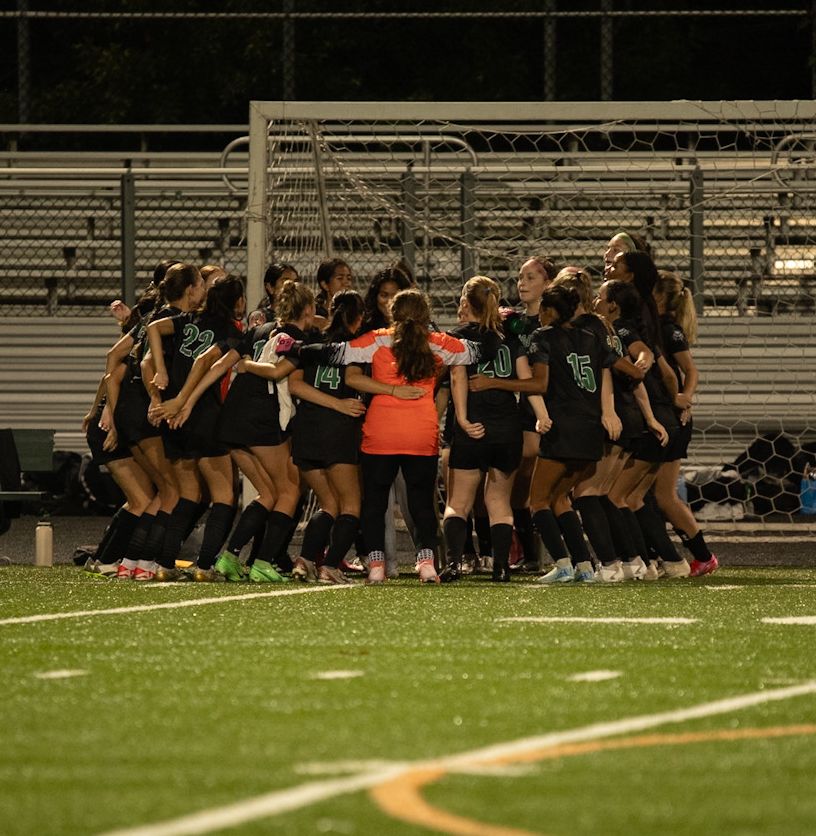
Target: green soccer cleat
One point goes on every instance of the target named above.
(230, 567)
(264, 572)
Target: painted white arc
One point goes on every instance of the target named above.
(298, 797)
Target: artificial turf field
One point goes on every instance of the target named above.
(405, 709)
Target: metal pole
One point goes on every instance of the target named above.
(549, 52)
(813, 49)
(257, 202)
(607, 63)
(128, 201)
(323, 206)
(23, 66)
(409, 204)
(468, 188)
(288, 52)
(696, 240)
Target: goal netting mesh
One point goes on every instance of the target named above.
(724, 194)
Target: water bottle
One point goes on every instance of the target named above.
(44, 544)
(807, 492)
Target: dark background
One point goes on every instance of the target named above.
(205, 71)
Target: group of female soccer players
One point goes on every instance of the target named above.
(567, 420)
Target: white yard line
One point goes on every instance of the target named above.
(792, 619)
(594, 676)
(65, 674)
(297, 797)
(579, 619)
(169, 605)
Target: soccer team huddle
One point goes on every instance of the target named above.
(561, 421)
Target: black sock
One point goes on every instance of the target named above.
(155, 538)
(696, 545)
(654, 531)
(523, 524)
(454, 530)
(201, 508)
(633, 527)
(547, 527)
(117, 536)
(481, 525)
(251, 522)
(501, 538)
(596, 526)
(621, 536)
(216, 532)
(469, 547)
(316, 536)
(276, 537)
(343, 534)
(179, 522)
(570, 524)
(136, 546)
(257, 542)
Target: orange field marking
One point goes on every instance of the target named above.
(402, 799)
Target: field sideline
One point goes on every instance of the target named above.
(681, 707)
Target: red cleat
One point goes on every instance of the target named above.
(704, 567)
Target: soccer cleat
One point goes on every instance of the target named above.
(264, 572)
(124, 573)
(230, 568)
(611, 573)
(584, 572)
(468, 565)
(653, 571)
(450, 573)
(501, 571)
(634, 569)
(165, 575)
(200, 575)
(561, 573)
(145, 570)
(427, 572)
(704, 567)
(354, 566)
(100, 571)
(304, 570)
(677, 568)
(332, 575)
(376, 572)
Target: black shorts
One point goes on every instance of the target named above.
(573, 438)
(483, 454)
(96, 438)
(197, 439)
(633, 426)
(250, 420)
(131, 414)
(527, 416)
(648, 449)
(679, 444)
(325, 438)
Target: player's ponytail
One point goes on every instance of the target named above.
(679, 303)
(563, 300)
(177, 278)
(346, 311)
(292, 300)
(412, 318)
(222, 297)
(482, 295)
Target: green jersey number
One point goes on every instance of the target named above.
(582, 371)
(195, 342)
(257, 349)
(500, 366)
(328, 376)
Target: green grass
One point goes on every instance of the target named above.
(186, 709)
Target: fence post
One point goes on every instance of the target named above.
(607, 53)
(696, 239)
(408, 186)
(128, 206)
(468, 215)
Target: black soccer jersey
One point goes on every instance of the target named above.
(674, 342)
(495, 409)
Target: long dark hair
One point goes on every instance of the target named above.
(645, 278)
(346, 309)
(176, 279)
(271, 276)
(373, 317)
(626, 298)
(222, 298)
(563, 300)
(410, 346)
(151, 298)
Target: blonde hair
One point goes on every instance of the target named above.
(292, 300)
(482, 294)
(679, 302)
(579, 280)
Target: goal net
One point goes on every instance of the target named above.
(723, 192)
